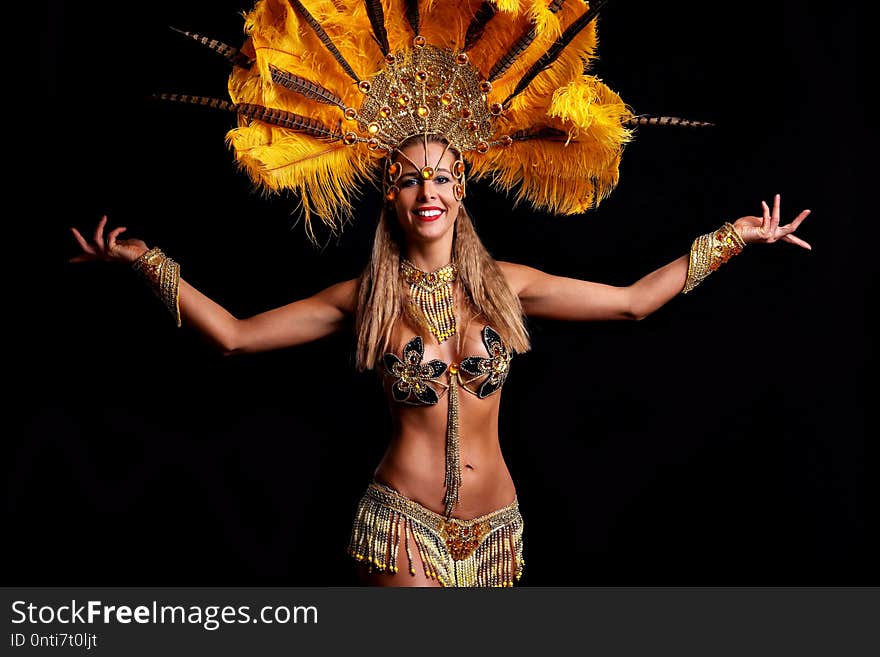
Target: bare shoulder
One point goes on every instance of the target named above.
(342, 295)
(518, 276)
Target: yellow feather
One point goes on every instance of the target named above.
(589, 106)
(508, 6)
(322, 174)
(545, 21)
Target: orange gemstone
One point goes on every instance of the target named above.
(349, 138)
(389, 58)
(385, 112)
(458, 168)
(482, 147)
(350, 113)
(419, 41)
(427, 172)
(461, 59)
(364, 86)
(496, 108)
(422, 111)
(373, 144)
(391, 193)
(403, 101)
(446, 99)
(421, 76)
(466, 112)
(373, 128)
(473, 125)
(485, 86)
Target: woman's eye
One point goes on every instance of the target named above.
(409, 182)
(441, 180)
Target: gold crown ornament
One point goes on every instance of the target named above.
(327, 91)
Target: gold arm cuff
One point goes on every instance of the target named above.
(163, 275)
(709, 252)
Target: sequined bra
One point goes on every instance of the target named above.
(419, 384)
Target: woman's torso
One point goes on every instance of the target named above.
(414, 463)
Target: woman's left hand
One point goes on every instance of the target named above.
(766, 229)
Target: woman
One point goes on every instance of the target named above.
(442, 510)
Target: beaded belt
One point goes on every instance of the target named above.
(484, 551)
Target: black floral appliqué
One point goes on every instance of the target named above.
(494, 368)
(415, 381)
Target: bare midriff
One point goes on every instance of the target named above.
(415, 462)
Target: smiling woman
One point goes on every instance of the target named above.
(432, 278)
(428, 197)
(435, 315)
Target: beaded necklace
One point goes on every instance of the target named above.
(431, 297)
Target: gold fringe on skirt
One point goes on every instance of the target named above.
(484, 551)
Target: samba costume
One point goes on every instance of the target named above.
(328, 91)
(485, 551)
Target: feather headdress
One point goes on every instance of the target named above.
(326, 90)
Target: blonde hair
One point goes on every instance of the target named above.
(382, 299)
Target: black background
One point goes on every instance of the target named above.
(719, 441)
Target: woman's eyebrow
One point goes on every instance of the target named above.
(416, 174)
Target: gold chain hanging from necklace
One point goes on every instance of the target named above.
(431, 296)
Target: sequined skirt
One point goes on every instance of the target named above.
(484, 551)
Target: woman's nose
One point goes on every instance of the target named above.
(427, 190)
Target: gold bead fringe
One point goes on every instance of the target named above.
(453, 450)
(431, 297)
(485, 551)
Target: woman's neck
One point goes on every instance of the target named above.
(429, 257)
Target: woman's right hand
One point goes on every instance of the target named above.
(109, 250)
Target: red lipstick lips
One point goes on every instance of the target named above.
(428, 208)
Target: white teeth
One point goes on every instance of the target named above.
(428, 213)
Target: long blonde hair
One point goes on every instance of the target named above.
(382, 299)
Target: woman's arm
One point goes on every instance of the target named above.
(296, 323)
(557, 297)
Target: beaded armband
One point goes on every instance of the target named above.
(163, 275)
(709, 252)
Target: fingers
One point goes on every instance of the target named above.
(765, 223)
(790, 228)
(82, 243)
(100, 249)
(791, 239)
(798, 219)
(770, 229)
(787, 232)
(99, 233)
(111, 238)
(774, 218)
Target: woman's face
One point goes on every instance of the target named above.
(426, 209)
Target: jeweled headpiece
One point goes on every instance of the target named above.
(328, 90)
